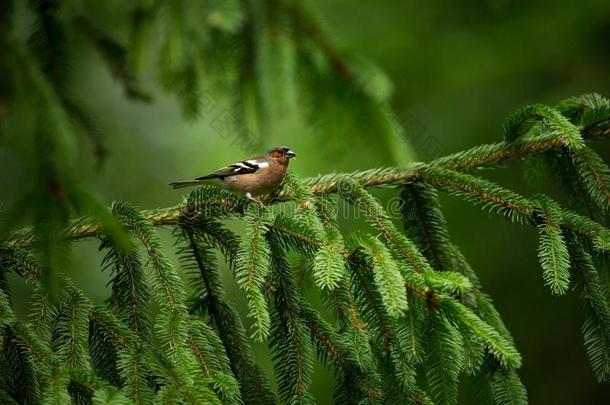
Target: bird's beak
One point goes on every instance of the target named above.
(290, 154)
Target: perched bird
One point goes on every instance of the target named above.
(251, 177)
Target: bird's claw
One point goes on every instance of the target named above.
(254, 199)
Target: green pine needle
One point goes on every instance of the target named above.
(507, 388)
(499, 347)
(552, 251)
(444, 359)
(252, 268)
(329, 266)
(386, 274)
(551, 122)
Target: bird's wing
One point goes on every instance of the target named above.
(244, 167)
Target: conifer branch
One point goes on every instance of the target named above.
(129, 293)
(210, 298)
(512, 205)
(388, 331)
(444, 360)
(252, 269)
(425, 225)
(290, 344)
(596, 327)
(331, 345)
(222, 202)
(399, 308)
(169, 289)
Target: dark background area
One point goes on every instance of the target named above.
(458, 70)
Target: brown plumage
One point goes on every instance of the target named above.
(251, 177)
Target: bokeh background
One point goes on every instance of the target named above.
(458, 70)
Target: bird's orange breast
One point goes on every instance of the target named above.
(262, 181)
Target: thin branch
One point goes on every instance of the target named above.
(480, 156)
(473, 186)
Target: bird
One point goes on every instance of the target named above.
(251, 177)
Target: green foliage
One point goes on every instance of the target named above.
(291, 346)
(167, 288)
(552, 251)
(130, 295)
(378, 218)
(596, 327)
(404, 317)
(551, 123)
(252, 267)
(594, 177)
(208, 298)
(444, 359)
(506, 388)
(501, 349)
(402, 306)
(386, 275)
(72, 331)
(328, 261)
(481, 193)
(425, 225)
(329, 266)
(590, 111)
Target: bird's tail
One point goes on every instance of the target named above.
(188, 183)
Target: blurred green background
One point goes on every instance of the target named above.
(458, 69)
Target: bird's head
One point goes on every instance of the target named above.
(281, 154)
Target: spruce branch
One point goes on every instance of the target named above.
(500, 342)
(553, 252)
(426, 226)
(551, 121)
(506, 387)
(289, 341)
(500, 348)
(444, 360)
(399, 304)
(594, 175)
(512, 205)
(55, 381)
(389, 332)
(425, 223)
(359, 378)
(81, 338)
(376, 215)
(591, 112)
(218, 202)
(386, 274)
(96, 390)
(72, 330)
(252, 268)
(209, 297)
(213, 360)
(168, 290)
(133, 363)
(130, 295)
(254, 387)
(328, 262)
(596, 327)
(197, 257)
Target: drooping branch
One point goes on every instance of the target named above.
(520, 209)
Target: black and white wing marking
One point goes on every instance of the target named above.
(235, 169)
(248, 166)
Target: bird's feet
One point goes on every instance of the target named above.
(254, 199)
